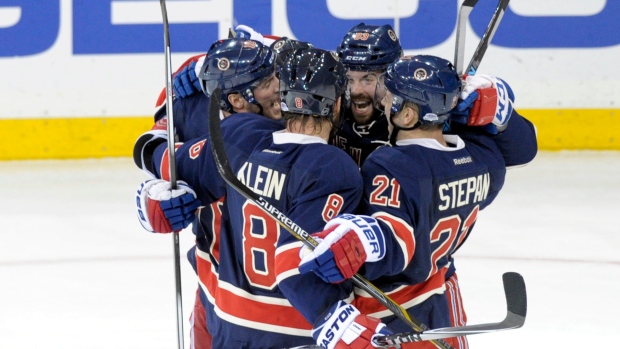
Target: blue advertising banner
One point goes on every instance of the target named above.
(94, 30)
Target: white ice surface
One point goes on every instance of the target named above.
(78, 271)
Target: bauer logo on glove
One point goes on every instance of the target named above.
(347, 242)
(486, 100)
(162, 210)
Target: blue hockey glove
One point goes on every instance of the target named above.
(346, 243)
(343, 326)
(162, 210)
(185, 82)
(485, 101)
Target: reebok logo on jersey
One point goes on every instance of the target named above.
(461, 161)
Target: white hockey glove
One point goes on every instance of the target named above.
(346, 243)
(485, 100)
(342, 326)
(162, 210)
(245, 32)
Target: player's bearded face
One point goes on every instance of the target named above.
(267, 93)
(362, 86)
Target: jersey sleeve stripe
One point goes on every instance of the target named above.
(287, 260)
(402, 232)
(407, 296)
(236, 305)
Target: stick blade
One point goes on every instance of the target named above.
(516, 297)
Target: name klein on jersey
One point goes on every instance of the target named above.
(464, 191)
(263, 181)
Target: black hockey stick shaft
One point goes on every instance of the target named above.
(173, 174)
(516, 304)
(461, 28)
(487, 37)
(221, 160)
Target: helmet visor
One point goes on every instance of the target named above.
(380, 93)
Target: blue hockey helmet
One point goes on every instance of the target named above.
(369, 47)
(237, 66)
(311, 80)
(430, 82)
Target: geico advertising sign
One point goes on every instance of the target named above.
(537, 42)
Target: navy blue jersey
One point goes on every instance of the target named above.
(427, 196)
(191, 121)
(190, 116)
(256, 296)
(213, 214)
(360, 140)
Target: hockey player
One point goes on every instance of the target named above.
(425, 191)
(250, 72)
(366, 51)
(260, 300)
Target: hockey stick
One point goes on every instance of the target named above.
(486, 37)
(461, 28)
(516, 304)
(173, 173)
(223, 165)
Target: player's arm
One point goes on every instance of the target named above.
(486, 101)
(161, 209)
(376, 243)
(185, 82)
(487, 105)
(336, 323)
(518, 143)
(314, 199)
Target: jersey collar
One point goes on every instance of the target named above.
(283, 137)
(456, 142)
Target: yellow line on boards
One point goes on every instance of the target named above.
(576, 129)
(70, 138)
(79, 138)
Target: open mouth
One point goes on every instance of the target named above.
(362, 106)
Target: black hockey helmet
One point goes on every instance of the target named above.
(311, 80)
(236, 66)
(284, 47)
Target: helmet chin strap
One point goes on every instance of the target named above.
(260, 109)
(336, 124)
(396, 128)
